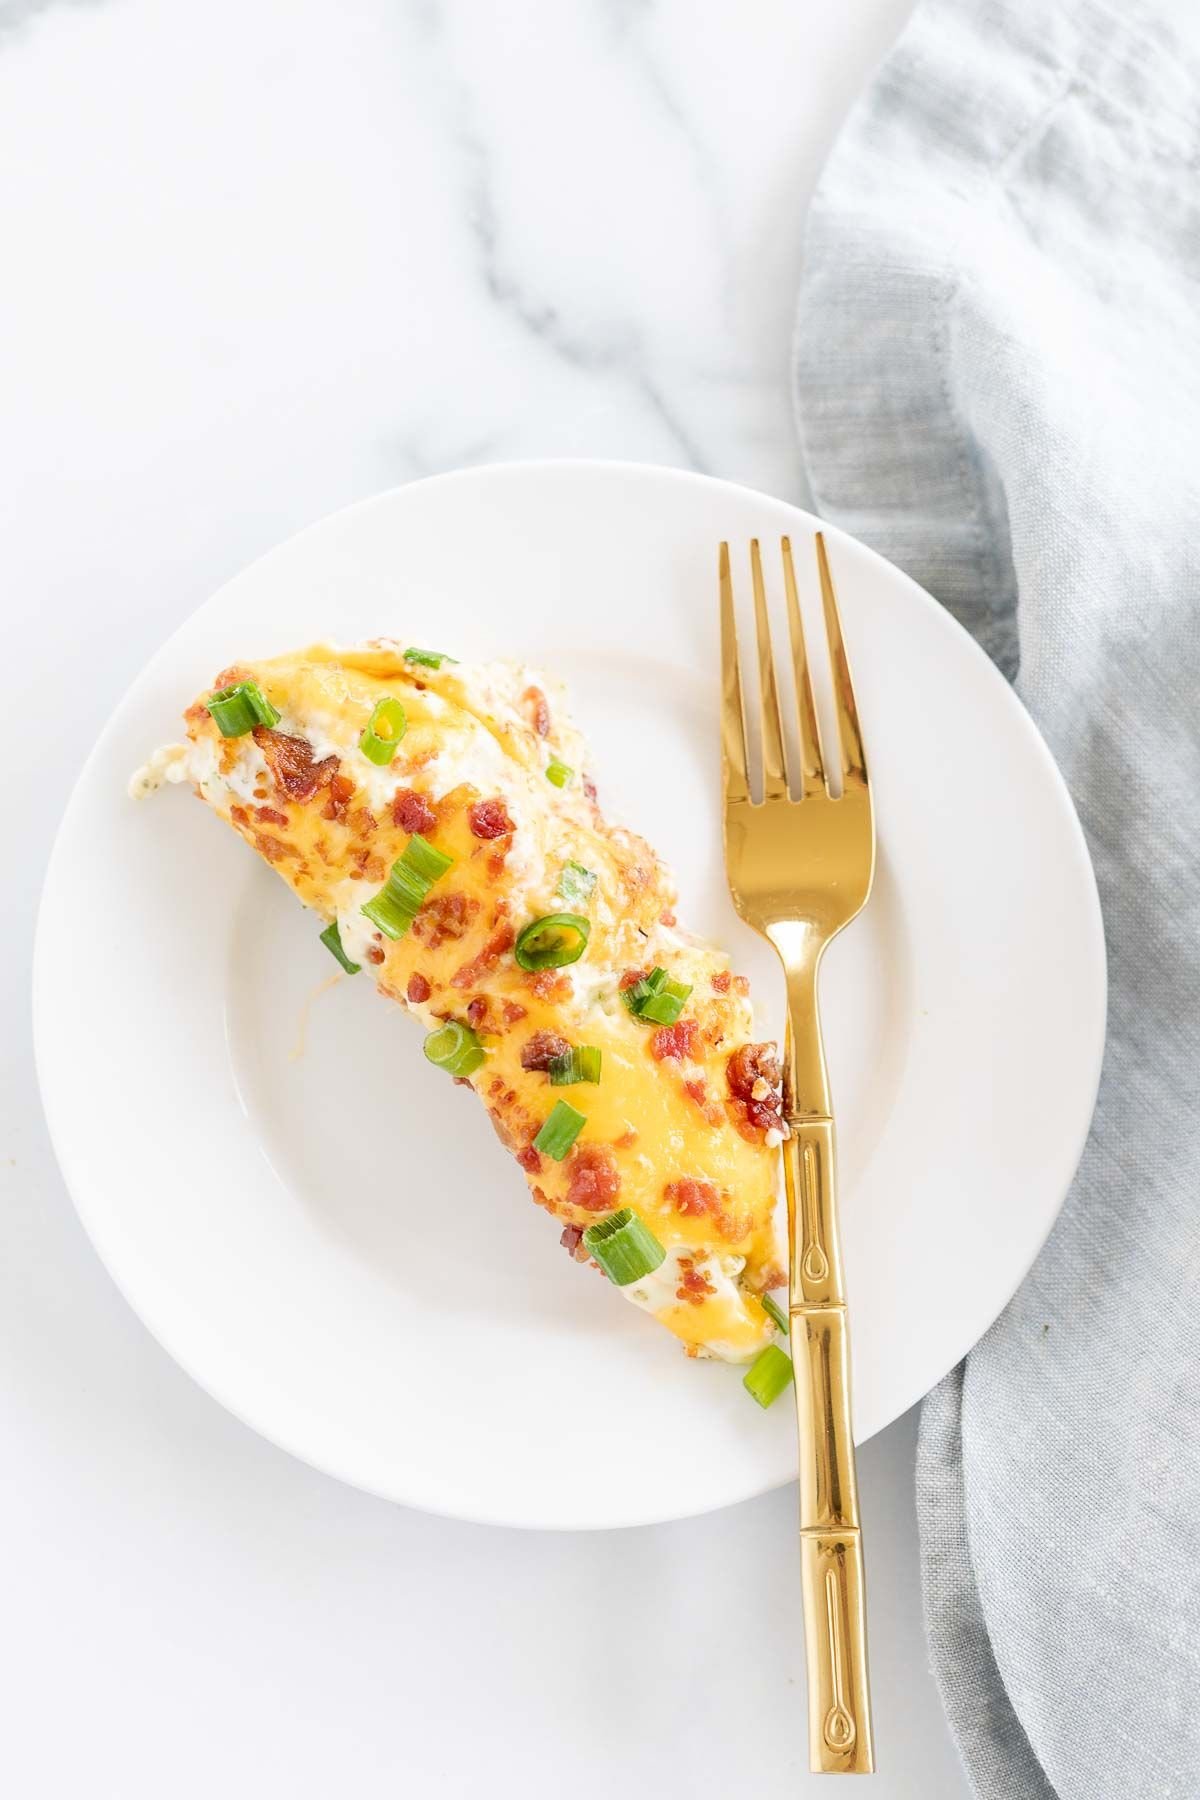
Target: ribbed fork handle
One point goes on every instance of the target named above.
(839, 1704)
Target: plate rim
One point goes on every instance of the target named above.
(77, 1185)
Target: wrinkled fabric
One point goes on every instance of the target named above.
(997, 379)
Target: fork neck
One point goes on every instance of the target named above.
(805, 1079)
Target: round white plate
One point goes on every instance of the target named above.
(323, 1230)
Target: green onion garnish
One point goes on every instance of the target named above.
(774, 1312)
(575, 884)
(560, 1131)
(428, 659)
(240, 708)
(454, 1048)
(331, 937)
(552, 942)
(625, 1249)
(580, 1064)
(558, 772)
(395, 906)
(656, 997)
(384, 729)
(767, 1375)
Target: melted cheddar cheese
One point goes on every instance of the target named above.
(683, 1125)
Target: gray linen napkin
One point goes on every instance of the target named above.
(998, 386)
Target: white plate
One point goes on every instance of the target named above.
(333, 1244)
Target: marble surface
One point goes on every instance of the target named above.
(261, 258)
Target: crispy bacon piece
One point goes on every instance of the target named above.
(375, 954)
(477, 1012)
(341, 792)
(589, 788)
(418, 989)
(721, 982)
(514, 1012)
(759, 1107)
(667, 917)
(470, 974)
(239, 815)
(571, 1240)
(530, 1160)
(444, 916)
(542, 1048)
(549, 984)
(290, 760)
(270, 815)
(537, 710)
(631, 977)
(678, 1040)
(593, 1178)
(694, 1285)
(411, 811)
(693, 1198)
(489, 819)
(273, 848)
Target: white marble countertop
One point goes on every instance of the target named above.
(261, 258)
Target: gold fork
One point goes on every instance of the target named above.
(799, 870)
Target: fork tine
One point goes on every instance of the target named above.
(775, 779)
(812, 771)
(854, 763)
(733, 712)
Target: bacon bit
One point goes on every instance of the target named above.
(542, 1198)
(549, 984)
(721, 982)
(273, 848)
(290, 760)
(477, 1012)
(753, 1076)
(356, 875)
(537, 710)
(530, 1160)
(589, 788)
(375, 868)
(674, 1041)
(363, 821)
(444, 917)
(469, 975)
(418, 989)
(694, 1286)
(770, 1277)
(513, 1012)
(692, 1198)
(269, 815)
(411, 811)
(542, 1048)
(461, 1081)
(374, 954)
(341, 792)
(489, 819)
(495, 864)
(239, 815)
(741, 984)
(594, 1181)
(571, 1241)
(631, 977)
(698, 1091)
(667, 917)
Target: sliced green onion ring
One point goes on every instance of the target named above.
(575, 884)
(410, 878)
(656, 997)
(579, 1064)
(331, 937)
(624, 1247)
(384, 729)
(428, 659)
(454, 1048)
(558, 772)
(560, 1131)
(238, 709)
(768, 1374)
(552, 942)
(775, 1313)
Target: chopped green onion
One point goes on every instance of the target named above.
(575, 884)
(454, 1048)
(767, 1375)
(428, 659)
(560, 1131)
(331, 937)
(775, 1313)
(240, 708)
(395, 906)
(384, 729)
(580, 1064)
(624, 1247)
(656, 998)
(558, 772)
(552, 942)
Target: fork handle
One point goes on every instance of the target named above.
(831, 1559)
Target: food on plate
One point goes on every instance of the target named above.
(440, 820)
